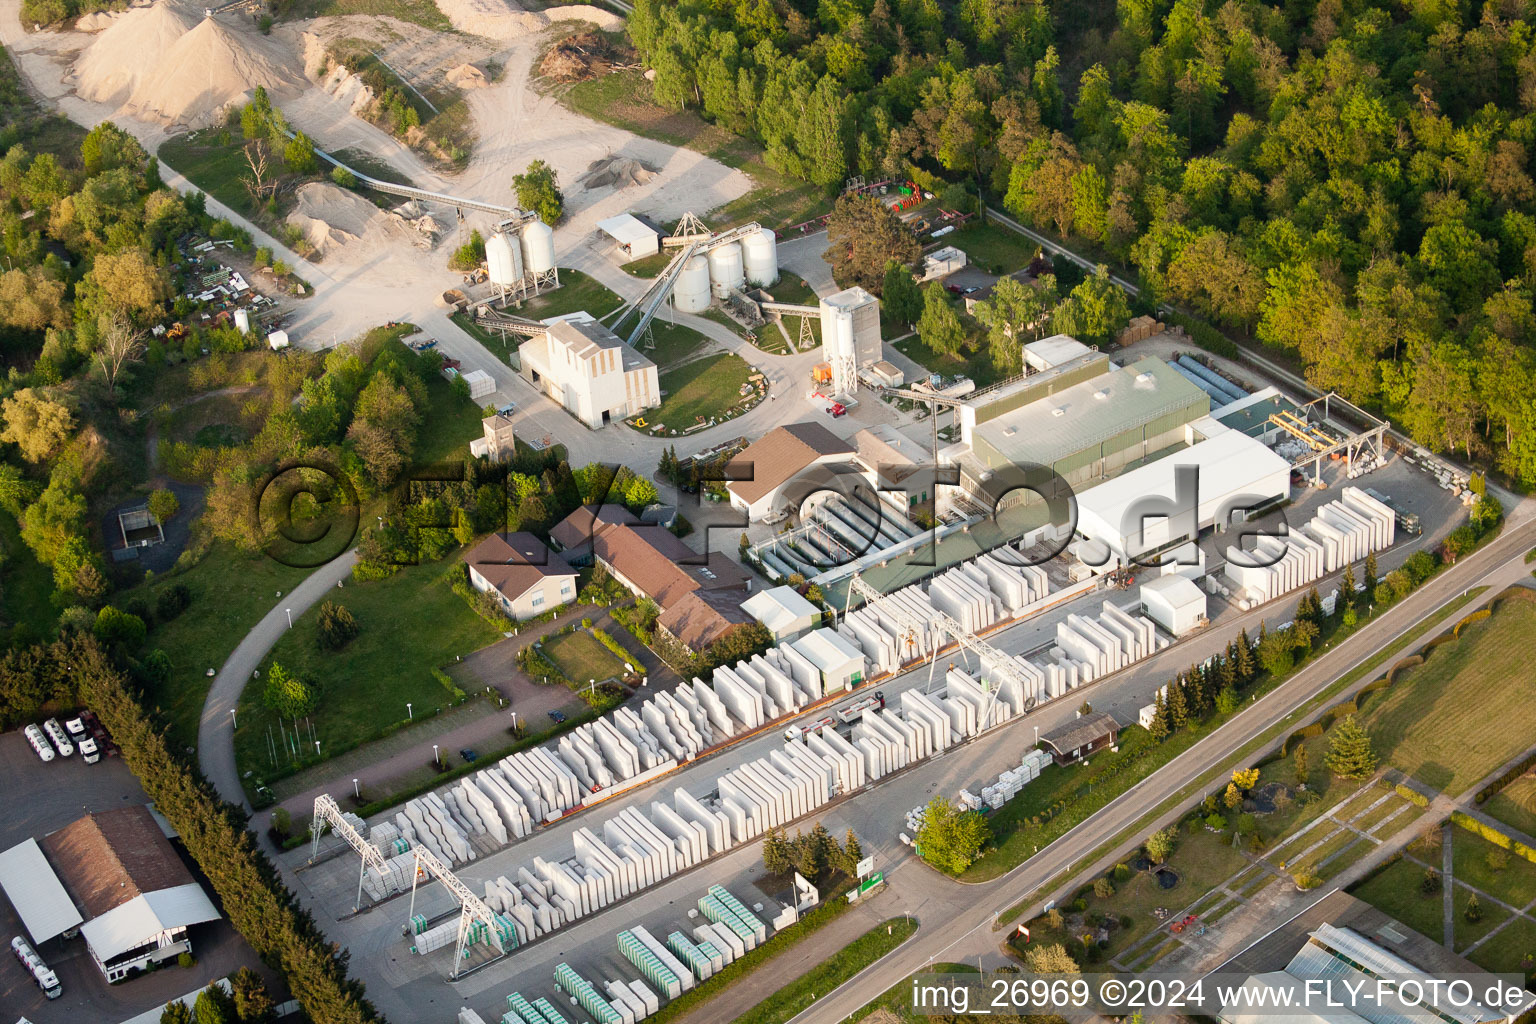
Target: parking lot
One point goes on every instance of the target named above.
(42, 799)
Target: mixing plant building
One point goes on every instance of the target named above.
(590, 371)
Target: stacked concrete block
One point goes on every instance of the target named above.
(730, 945)
(689, 838)
(712, 819)
(468, 1016)
(521, 1010)
(962, 599)
(1384, 519)
(721, 724)
(805, 675)
(551, 1015)
(918, 707)
(587, 997)
(699, 963)
(667, 978)
(866, 633)
(839, 755)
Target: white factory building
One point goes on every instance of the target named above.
(1140, 514)
(783, 612)
(1174, 602)
(590, 371)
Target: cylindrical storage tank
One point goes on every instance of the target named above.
(690, 294)
(836, 332)
(538, 247)
(503, 260)
(760, 258)
(725, 269)
(243, 320)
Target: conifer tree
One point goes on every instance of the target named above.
(1347, 585)
(1349, 753)
(1370, 573)
(1178, 707)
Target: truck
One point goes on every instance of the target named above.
(40, 744)
(60, 739)
(849, 713)
(794, 732)
(1407, 521)
(41, 974)
(90, 753)
(98, 732)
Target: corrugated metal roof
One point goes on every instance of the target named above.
(143, 917)
(1056, 426)
(35, 891)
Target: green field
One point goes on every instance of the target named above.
(231, 591)
(1395, 891)
(213, 167)
(26, 585)
(1514, 884)
(650, 266)
(1508, 951)
(581, 657)
(448, 424)
(624, 99)
(993, 248)
(577, 293)
(830, 973)
(699, 391)
(973, 360)
(420, 12)
(1440, 724)
(1515, 806)
(410, 624)
(673, 343)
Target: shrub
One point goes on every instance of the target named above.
(185, 960)
(338, 627)
(1103, 888)
(1307, 879)
(1430, 883)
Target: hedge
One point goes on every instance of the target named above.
(1493, 835)
(1204, 335)
(1413, 796)
(1505, 778)
(249, 888)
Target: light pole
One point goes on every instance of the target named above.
(234, 718)
(289, 612)
(514, 721)
(411, 717)
(317, 748)
(356, 793)
(435, 756)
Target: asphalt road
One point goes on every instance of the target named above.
(966, 929)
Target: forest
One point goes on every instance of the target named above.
(1347, 182)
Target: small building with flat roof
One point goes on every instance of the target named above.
(783, 612)
(634, 237)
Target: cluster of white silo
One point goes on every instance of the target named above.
(690, 292)
(1341, 533)
(524, 255)
(760, 258)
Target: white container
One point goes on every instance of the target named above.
(40, 744)
(760, 258)
(278, 340)
(503, 260)
(60, 738)
(725, 273)
(243, 320)
(538, 247)
(480, 383)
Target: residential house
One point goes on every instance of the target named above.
(527, 578)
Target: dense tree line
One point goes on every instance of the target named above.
(1350, 183)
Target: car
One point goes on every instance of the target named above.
(971, 290)
(40, 744)
(507, 410)
(75, 728)
(469, 755)
(55, 732)
(557, 716)
(953, 288)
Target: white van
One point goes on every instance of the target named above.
(60, 738)
(39, 742)
(89, 752)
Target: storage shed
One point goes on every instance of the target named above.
(1174, 602)
(636, 239)
(840, 663)
(782, 611)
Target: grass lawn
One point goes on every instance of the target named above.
(624, 100)
(410, 624)
(581, 657)
(1508, 950)
(1515, 884)
(1435, 724)
(577, 293)
(699, 391)
(26, 585)
(231, 591)
(448, 424)
(1513, 805)
(214, 168)
(994, 248)
(790, 1000)
(674, 343)
(1395, 891)
(650, 266)
(1468, 932)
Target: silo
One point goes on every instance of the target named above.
(538, 247)
(691, 292)
(725, 269)
(504, 261)
(760, 257)
(836, 332)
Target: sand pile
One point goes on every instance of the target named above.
(164, 67)
(348, 88)
(333, 218)
(96, 21)
(130, 48)
(616, 172)
(503, 19)
(467, 76)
